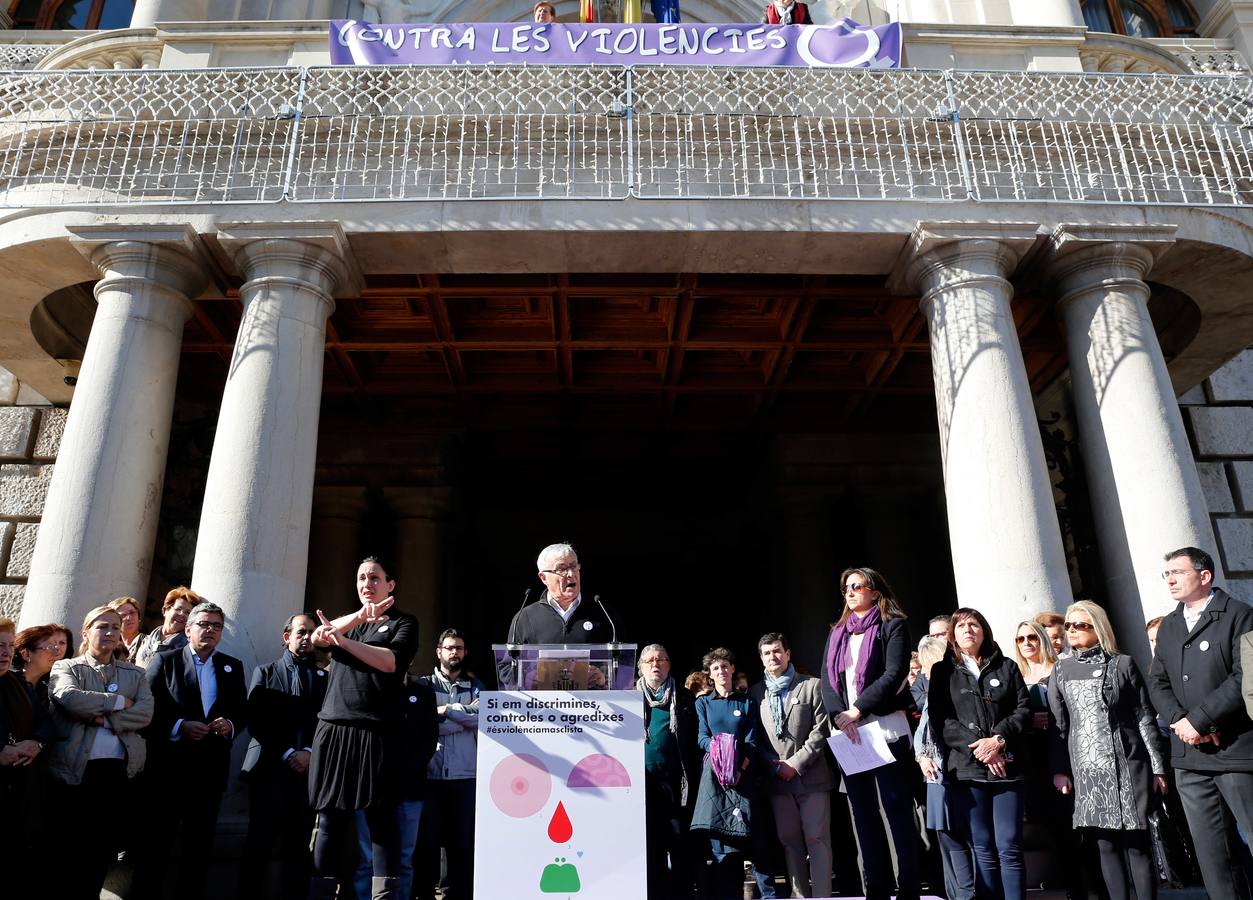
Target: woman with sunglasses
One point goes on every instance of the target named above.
(1114, 762)
(865, 680)
(1036, 657)
(100, 702)
(978, 700)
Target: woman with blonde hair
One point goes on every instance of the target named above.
(1114, 761)
(100, 703)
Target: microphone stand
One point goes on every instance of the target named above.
(514, 649)
(615, 649)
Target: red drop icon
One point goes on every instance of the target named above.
(559, 828)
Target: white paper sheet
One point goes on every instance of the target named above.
(871, 753)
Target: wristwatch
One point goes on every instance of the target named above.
(1000, 739)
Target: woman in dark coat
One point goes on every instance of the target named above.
(864, 681)
(1108, 750)
(730, 796)
(358, 749)
(978, 700)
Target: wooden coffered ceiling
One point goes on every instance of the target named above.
(674, 350)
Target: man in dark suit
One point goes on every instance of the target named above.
(1194, 682)
(284, 698)
(200, 706)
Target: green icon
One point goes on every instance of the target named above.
(560, 877)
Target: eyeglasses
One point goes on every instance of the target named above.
(653, 660)
(1027, 639)
(455, 649)
(52, 648)
(855, 587)
(209, 626)
(1078, 626)
(1178, 573)
(563, 571)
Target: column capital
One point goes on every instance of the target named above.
(987, 249)
(340, 503)
(1078, 258)
(315, 252)
(418, 502)
(166, 257)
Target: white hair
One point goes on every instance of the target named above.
(551, 551)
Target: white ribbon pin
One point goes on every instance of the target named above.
(995, 682)
(587, 626)
(413, 699)
(382, 629)
(112, 687)
(1204, 646)
(735, 712)
(321, 673)
(226, 668)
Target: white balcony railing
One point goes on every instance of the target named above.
(377, 133)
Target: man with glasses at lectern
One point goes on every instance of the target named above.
(562, 615)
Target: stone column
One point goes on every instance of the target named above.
(335, 549)
(99, 524)
(420, 514)
(1146, 494)
(253, 545)
(1008, 560)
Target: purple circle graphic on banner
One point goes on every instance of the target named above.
(598, 771)
(837, 45)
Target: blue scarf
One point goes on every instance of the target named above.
(775, 689)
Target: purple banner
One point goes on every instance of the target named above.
(843, 44)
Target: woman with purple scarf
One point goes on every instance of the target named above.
(864, 680)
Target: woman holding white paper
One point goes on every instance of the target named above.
(865, 682)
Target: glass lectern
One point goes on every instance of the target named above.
(565, 667)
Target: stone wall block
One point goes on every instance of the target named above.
(1244, 484)
(23, 490)
(22, 551)
(7, 530)
(1233, 383)
(1221, 430)
(17, 427)
(1215, 487)
(51, 428)
(8, 387)
(1236, 536)
(1194, 397)
(11, 600)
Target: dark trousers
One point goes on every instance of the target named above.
(1213, 803)
(1126, 863)
(893, 785)
(335, 848)
(103, 782)
(448, 822)
(278, 814)
(669, 875)
(995, 813)
(188, 824)
(959, 868)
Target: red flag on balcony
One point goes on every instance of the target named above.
(587, 10)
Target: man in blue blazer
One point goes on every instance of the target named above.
(200, 708)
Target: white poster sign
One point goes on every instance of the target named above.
(560, 798)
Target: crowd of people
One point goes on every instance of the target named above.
(361, 775)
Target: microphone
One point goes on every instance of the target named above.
(612, 627)
(513, 648)
(614, 651)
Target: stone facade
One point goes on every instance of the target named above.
(29, 437)
(1219, 412)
